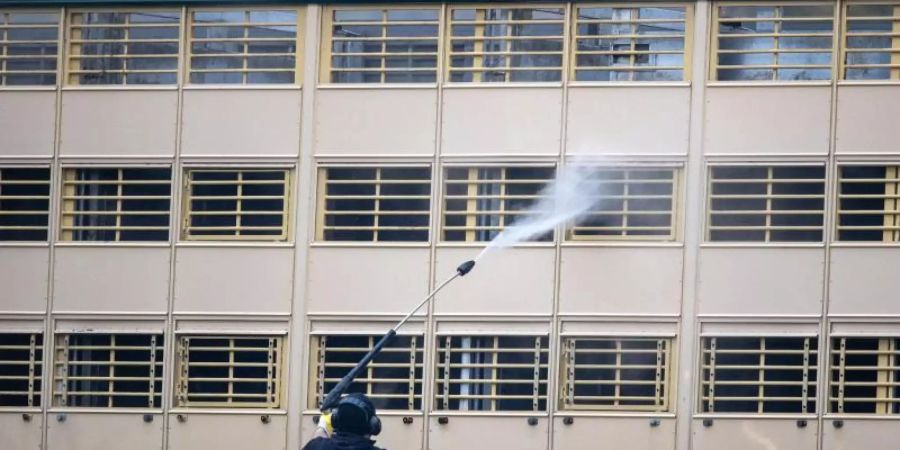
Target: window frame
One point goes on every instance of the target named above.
(687, 52)
(326, 49)
(35, 363)
(884, 402)
(60, 42)
(188, 40)
(714, 34)
(49, 198)
(891, 218)
(845, 35)
(479, 70)
(70, 57)
(286, 234)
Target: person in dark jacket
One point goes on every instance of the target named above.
(354, 422)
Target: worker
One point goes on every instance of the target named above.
(350, 426)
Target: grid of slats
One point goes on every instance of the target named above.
(783, 41)
(865, 375)
(497, 45)
(123, 47)
(615, 374)
(871, 49)
(229, 371)
(382, 45)
(236, 204)
(244, 46)
(868, 204)
(393, 380)
(116, 204)
(766, 203)
(480, 202)
(108, 370)
(491, 373)
(24, 203)
(21, 362)
(758, 375)
(641, 42)
(630, 203)
(29, 47)
(374, 204)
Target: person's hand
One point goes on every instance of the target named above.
(324, 423)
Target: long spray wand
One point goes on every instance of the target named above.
(334, 395)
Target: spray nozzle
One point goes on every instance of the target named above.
(465, 268)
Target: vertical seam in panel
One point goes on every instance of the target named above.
(693, 197)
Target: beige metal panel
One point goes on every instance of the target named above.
(760, 328)
(227, 432)
(275, 327)
(395, 434)
(498, 327)
(864, 281)
(236, 280)
(27, 123)
(867, 119)
(767, 120)
(591, 433)
(612, 280)
(501, 121)
(366, 280)
(103, 431)
(754, 434)
(510, 281)
(482, 433)
(241, 122)
(779, 281)
(594, 327)
(628, 120)
(118, 123)
(17, 325)
(860, 434)
(375, 121)
(24, 279)
(367, 326)
(111, 279)
(19, 434)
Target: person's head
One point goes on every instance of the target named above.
(356, 414)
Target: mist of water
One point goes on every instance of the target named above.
(570, 196)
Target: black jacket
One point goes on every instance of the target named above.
(341, 441)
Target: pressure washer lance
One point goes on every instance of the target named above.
(334, 395)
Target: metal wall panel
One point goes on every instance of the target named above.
(246, 122)
(111, 279)
(860, 434)
(864, 281)
(91, 431)
(773, 120)
(27, 123)
(867, 119)
(233, 280)
(590, 433)
(228, 432)
(462, 432)
(24, 279)
(19, 434)
(754, 434)
(628, 120)
(118, 123)
(375, 121)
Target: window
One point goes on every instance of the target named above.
(479, 202)
(766, 203)
(108, 370)
(382, 45)
(506, 44)
(393, 380)
(865, 375)
(24, 203)
(374, 204)
(629, 43)
(123, 48)
(237, 46)
(616, 374)
(491, 373)
(236, 204)
(758, 375)
(21, 361)
(116, 204)
(872, 41)
(869, 203)
(780, 42)
(28, 47)
(229, 371)
(630, 203)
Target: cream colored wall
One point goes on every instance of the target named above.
(647, 287)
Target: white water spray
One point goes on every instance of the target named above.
(570, 196)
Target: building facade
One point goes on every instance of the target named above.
(210, 210)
